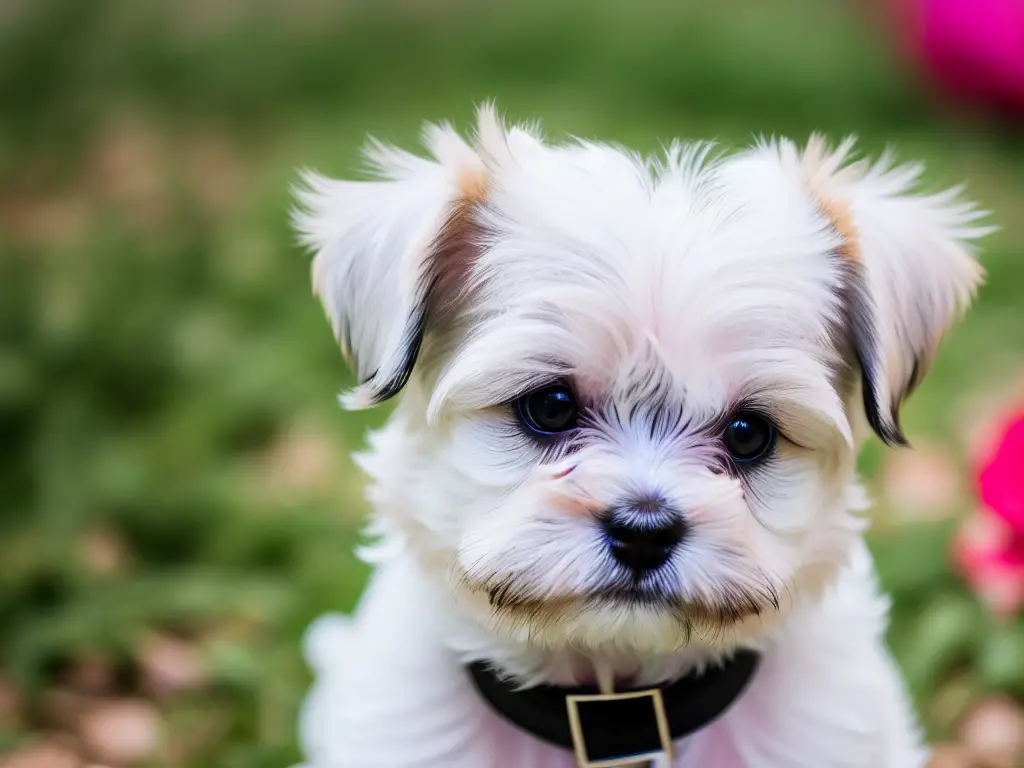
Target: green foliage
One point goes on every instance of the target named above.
(172, 457)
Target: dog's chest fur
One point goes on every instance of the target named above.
(390, 692)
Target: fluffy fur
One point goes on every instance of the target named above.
(671, 292)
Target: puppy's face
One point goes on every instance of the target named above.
(633, 389)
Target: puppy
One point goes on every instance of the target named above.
(616, 511)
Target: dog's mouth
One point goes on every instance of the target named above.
(637, 590)
(648, 589)
(638, 595)
(635, 595)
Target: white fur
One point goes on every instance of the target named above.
(670, 292)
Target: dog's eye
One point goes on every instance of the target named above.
(549, 410)
(749, 437)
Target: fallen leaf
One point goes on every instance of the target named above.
(104, 553)
(128, 167)
(121, 731)
(49, 753)
(922, 484)
(171, 666)
(10, 702)
(51, 220)
(950, 755)
(303, 461)
(993, 733)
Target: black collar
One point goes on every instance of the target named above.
(620, 727)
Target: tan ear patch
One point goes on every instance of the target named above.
(473, 185)
(841, 216)
(825, 171)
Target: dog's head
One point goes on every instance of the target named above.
(633, 388)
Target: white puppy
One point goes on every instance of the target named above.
(632, 393)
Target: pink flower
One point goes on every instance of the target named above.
(973, 49)
(989, 548)
(1002, 481)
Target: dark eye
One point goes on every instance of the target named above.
(549, 410)
(749, 437)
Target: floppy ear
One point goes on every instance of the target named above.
(910, 268)
(386, 251)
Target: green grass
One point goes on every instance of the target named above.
(167, 381)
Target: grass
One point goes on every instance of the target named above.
(173, 459)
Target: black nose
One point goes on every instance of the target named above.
(641, 537)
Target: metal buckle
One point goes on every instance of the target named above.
(576, 727)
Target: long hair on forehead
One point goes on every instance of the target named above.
(647, 405)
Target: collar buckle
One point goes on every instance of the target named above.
(583, 759)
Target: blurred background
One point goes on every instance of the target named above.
(176, 497)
